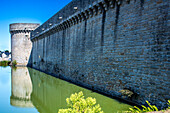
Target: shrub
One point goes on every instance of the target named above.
(126, 92)
(14, 63)
(168, 104)
(6, 51)
(78, 104)
(146, 109)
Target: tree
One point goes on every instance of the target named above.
(6, 51)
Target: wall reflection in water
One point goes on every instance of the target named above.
(48, 94)
(21, 87)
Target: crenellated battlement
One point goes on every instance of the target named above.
(74, 13)
(23, 27)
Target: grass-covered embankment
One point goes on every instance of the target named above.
(4, 63)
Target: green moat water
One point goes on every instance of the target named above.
(25, 90)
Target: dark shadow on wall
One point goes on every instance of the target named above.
(30, 63)
(116, 23)
(63, 46)
(142, 2)
(103, 26)
(84, 36)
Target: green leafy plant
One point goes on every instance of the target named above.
(168, 104)
(145, 109)
(78, 104)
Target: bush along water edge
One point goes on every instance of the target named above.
(78, 104)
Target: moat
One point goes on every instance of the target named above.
(25, 90)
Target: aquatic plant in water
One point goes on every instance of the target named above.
(78, 104)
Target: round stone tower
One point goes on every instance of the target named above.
(21, 44)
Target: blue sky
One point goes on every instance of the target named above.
(25, 11)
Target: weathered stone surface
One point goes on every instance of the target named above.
(20, 42)
(123, 47)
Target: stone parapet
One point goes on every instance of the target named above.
(74, 13)
(23, 27)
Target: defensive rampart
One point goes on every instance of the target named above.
(109, 46)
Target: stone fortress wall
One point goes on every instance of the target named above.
(108, 46)
(21, 44)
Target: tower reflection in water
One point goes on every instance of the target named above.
(48, 94)
(21, 87)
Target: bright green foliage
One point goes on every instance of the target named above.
(168, 104)
(78, 104)
(145, 109)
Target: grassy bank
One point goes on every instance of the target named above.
(4, 63)
(7, 63)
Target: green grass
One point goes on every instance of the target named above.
(4, 63)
